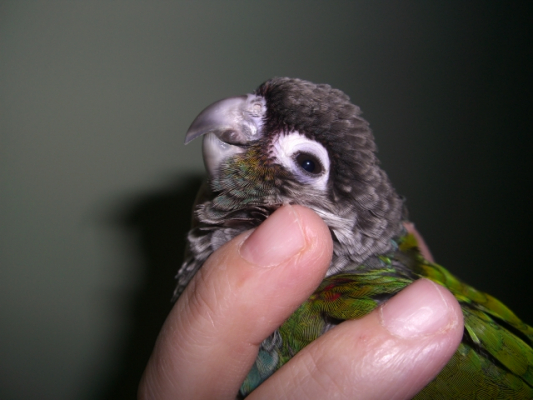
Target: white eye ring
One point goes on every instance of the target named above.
(288, 148)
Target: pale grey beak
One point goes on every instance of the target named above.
(228, 125)
(235, 120)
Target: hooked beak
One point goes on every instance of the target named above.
(228, 126)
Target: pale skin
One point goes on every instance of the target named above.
(248, 287)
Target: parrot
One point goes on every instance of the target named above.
(296, 142)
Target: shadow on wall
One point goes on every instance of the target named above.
(158, 224)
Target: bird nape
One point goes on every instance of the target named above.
(296, 142)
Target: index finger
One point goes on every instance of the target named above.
(244, 291)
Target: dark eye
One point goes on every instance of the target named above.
(309, 163)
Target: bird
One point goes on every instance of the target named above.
(292, 141)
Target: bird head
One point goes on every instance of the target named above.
(296, 142)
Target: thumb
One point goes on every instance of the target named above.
(391, 353)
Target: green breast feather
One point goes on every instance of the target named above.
(494, 360)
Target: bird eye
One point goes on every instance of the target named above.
(309, 163)
(305, 159)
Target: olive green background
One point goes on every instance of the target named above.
(96, 186)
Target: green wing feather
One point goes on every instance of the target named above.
(339, 297)
(494, 360)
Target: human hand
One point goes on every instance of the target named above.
(248, 287)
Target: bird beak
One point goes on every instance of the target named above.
(227, 126)
(230, 119)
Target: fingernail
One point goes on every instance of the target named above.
(418, 310)
(276, 240)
